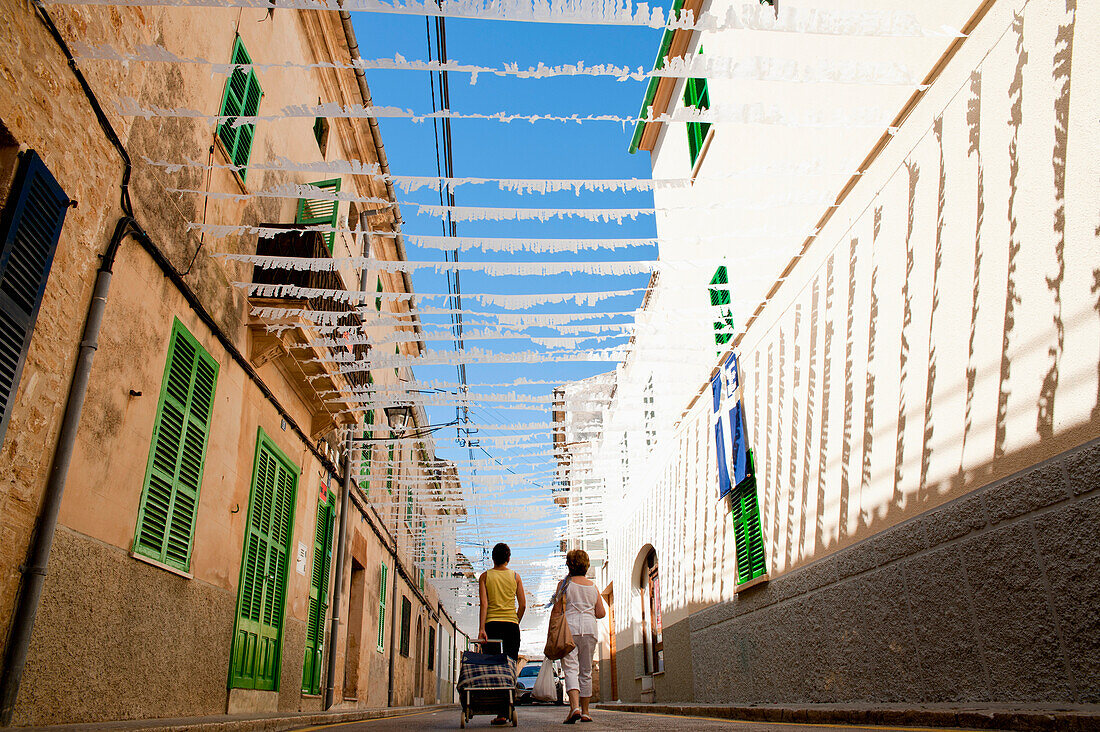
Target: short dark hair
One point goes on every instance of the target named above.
(577, 562)
(501, 553)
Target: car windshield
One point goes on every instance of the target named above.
(530, 671)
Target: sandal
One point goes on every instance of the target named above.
(586, 718)
(574, 717)
(500, 721)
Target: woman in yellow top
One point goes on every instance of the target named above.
(502, 606)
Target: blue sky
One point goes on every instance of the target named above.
(516, 150)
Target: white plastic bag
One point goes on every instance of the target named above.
(544, 684)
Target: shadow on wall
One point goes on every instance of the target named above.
(989, 598)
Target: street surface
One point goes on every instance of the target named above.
(548, 719)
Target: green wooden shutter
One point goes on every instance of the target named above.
(173, 475)
(389, 467)
(378, 299)
(696, 96)
(382, 609)
(312, 211)
(29, 230)
(257, 639)
(241, 98)
(720, 299)
(318, 597)
(747, 534)
(367, 449)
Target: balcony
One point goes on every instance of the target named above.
(289, 349)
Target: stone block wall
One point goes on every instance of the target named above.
(993, 597)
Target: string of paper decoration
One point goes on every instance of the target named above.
(756, 68)
(791, 19)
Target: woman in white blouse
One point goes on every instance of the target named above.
(583, 606)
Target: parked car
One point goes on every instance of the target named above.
(525, 683)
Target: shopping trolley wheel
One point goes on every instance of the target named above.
(515, 720)
(462, 720)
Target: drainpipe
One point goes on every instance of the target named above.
(34, 570)
(393, 595)
(338, 584)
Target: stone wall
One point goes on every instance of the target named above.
(104, 648)
(991, 597)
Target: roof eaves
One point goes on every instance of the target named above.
(651, 89)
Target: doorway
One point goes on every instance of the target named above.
(609, 601)
(354, 646)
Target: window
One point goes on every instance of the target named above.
(318, 596)
(366, 452)
(696, 97)
(720, 301)
(409, 507)
(320, 133)
(748, 536)
(389, 467)
(241, 99)
(431, 647)
(420, 579)
(315, 211)
(397, 352)
(624, 462)
(650, 414)
(382, 589)
(378, 298)
(257, 638)
(29, 230)
(406, 621)
(173, 475)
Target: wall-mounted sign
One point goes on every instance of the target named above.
(300, 559)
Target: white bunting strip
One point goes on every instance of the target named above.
(409, 184)
(752, 113)
(477, 355)
(222, 230)
(484, 298)
(751, 16)
(332, 264)
(757, 68)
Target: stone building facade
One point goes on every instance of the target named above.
(918, 378)
(192, 567)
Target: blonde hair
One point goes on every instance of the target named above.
(577, 562)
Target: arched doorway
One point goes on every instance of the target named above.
(649, 586)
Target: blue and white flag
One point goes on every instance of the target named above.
(730, 439)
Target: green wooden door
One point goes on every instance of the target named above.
(318, 597)
(257, 639)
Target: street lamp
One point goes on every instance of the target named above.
(399, 417)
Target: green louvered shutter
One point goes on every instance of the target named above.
(696, 96)
(318, 597)
(382, 609)
(173, 476)
(241, 98)
(720, 300)
(378, 298)
(747, 534)
(29, 230)
(257, 640)
(313, 211)
(389, 467)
